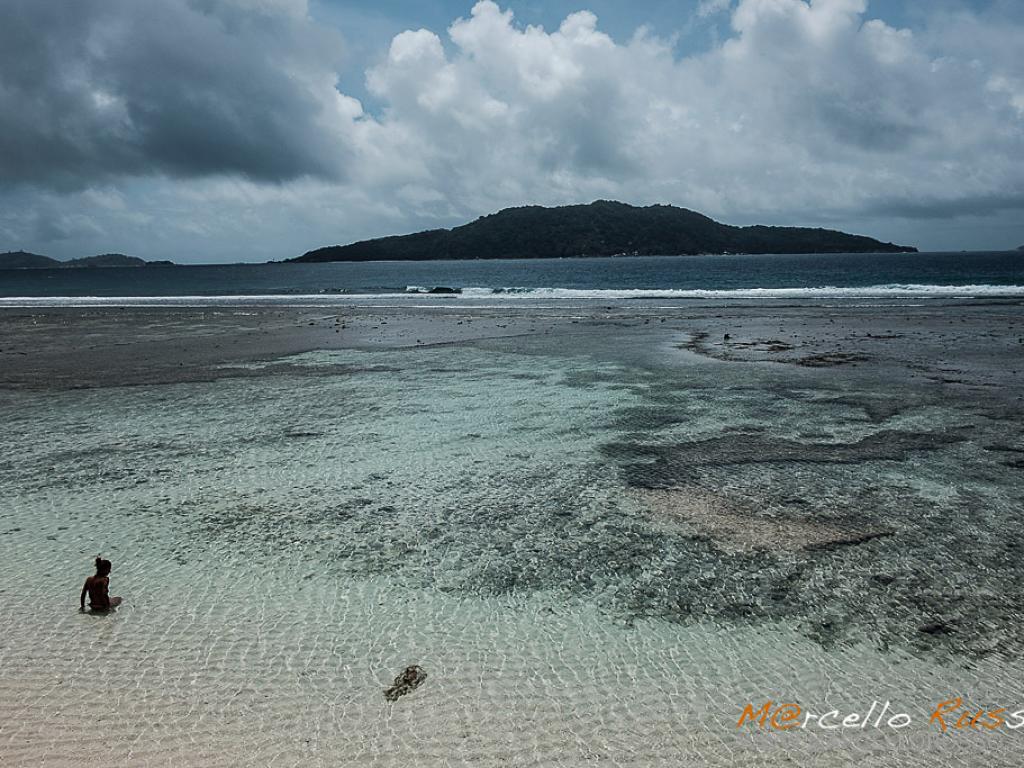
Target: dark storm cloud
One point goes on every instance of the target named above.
(98, 88)
(938, 208)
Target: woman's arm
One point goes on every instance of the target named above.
(85, 590)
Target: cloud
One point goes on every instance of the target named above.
(928, 207)
(220, 119)
(710, 7)
(806, 105)
(104, 88)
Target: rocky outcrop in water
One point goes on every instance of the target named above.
(407, 682)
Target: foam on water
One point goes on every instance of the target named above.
(288, 543)
(817, 292)
(415, 295)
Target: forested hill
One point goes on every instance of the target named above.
(25, 260)
(603, 228)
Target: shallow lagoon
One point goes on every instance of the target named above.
(572, 546)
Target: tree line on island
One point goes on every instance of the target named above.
(25, 260)
(602, 228)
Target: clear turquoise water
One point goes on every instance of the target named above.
(533, 530)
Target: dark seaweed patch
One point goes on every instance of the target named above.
(659, 466)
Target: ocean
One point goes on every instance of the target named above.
(813, 276)
(603, 519)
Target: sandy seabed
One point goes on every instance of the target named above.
(601, 531)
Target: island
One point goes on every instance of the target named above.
(602, 228)
(25, 260)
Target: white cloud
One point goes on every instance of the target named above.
(809, 112)
(710, 7)
(807, 107)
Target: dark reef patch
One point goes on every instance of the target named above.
(658, 466)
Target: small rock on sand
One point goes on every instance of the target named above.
(406, 682)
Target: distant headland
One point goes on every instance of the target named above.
(25, 260)
(602, 228)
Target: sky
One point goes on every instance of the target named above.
(254, 130)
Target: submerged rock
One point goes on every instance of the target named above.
(406, 682)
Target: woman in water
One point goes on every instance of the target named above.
(96, 587)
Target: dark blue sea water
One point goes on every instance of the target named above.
(997, 274)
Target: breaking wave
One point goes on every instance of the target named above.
(512, 294)
(914, 291)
